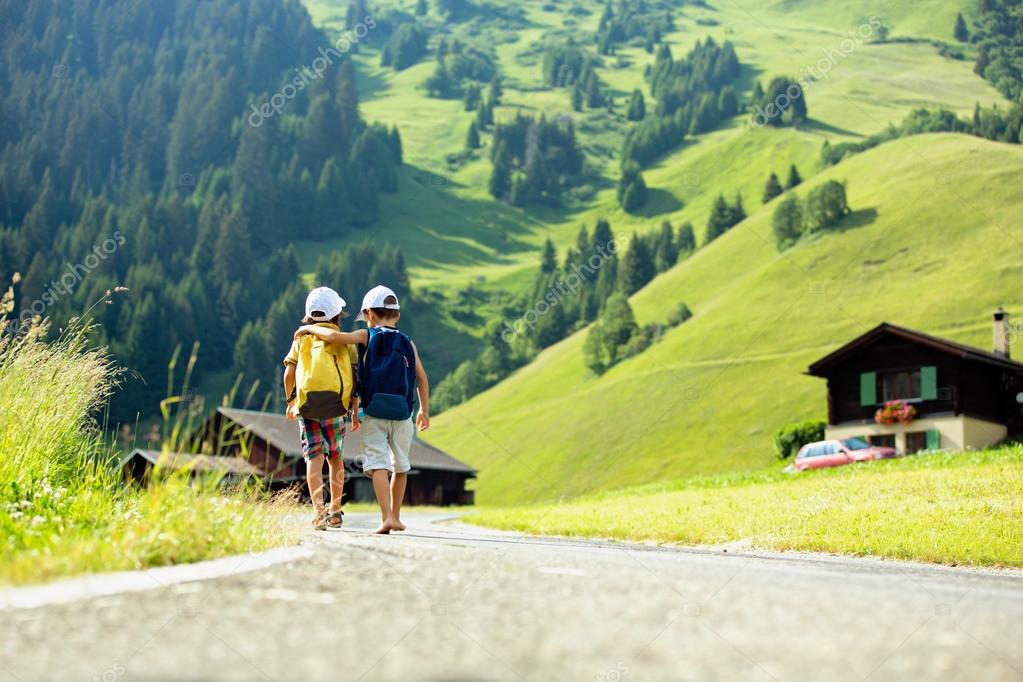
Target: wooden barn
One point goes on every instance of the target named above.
(138, 465)
(273, 444)
(963, 397)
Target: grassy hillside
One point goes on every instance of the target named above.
(931, 245)
(456, 233)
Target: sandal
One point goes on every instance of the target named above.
(334, 519)
(320, 521)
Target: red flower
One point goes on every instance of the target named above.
(895, 412)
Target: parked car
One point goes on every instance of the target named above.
(836, 453)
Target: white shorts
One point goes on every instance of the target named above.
(386, 444)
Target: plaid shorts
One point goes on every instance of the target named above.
(319, 433)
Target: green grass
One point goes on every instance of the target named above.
(63, 507)
(957, 508)
(931, 245)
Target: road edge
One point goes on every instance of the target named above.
(106, 584)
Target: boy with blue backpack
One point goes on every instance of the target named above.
(391, 378)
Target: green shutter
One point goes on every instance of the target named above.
(929, 383)
(868, 388)
(933, 439)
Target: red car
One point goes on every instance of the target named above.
(836, 453)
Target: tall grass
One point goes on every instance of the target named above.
(48, 391)
(63, 506)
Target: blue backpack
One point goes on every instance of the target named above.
(387, 374)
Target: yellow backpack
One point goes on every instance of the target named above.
(324, 378)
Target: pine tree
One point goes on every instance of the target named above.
(481, 116)
(577, 98)
(603, 237)
(472, 139)
(795, 179)
(501, 176)
(496, 90)
(632, 189)
(637, 266)
(637, 106)
(738, 212)
(471, 97)
(686, 238)
(394, 142)
(593, 97)
(962, 33)
(983, 61)
(772, 189)
(667, 247)
(720, 219)
(728, 102)
(549, 259)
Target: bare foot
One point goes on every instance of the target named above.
(397, 525)
(384, 529)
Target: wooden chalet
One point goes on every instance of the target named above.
(138, 465)
(964, 397)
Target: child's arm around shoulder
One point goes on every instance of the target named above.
(359, 336)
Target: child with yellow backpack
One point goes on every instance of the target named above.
(321, 387)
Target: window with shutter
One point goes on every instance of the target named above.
(868, 388)
(933, 439)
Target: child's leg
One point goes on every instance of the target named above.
(314, 479)
(398, 482)
(401, 434)
(377, 464)
(312, 452)
(337, 482)
(334, 432)
(383, 493)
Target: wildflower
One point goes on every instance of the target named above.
(25, 504)
(16, 515)
(37, 520)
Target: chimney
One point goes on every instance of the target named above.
(1001, 333)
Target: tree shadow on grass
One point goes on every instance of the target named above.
(856, 220)
(369, 84)
(822, 127)
(659, 201)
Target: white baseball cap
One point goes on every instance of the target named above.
(326, 302)
(377, 298)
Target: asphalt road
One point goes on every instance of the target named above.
(444, 602)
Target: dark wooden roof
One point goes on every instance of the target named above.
(204, 463)
(960, 350)
(284, 435)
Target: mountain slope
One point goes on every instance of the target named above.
(868, 88)
(932, 245)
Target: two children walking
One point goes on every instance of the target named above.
(328, 373)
